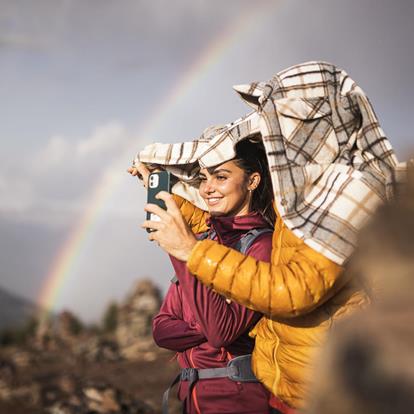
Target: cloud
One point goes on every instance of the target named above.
(60, 151)
(19, 41)
(103, 140)
(55, 182)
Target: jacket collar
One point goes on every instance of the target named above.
(230, 229)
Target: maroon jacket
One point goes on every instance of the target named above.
(207, 331)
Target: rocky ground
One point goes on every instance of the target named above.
(63, 368)
(58, 383)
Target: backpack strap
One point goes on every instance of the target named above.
(207, 235)
(247, 240)
(243, 245)
(238, 369)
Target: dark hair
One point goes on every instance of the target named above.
(251, 157)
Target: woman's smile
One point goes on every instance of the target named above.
(225, 189)
(213, 201)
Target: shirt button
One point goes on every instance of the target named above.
(283, 202)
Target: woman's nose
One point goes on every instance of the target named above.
(209, 187)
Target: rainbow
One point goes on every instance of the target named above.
(65, 261)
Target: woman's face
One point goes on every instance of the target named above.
(225, 189)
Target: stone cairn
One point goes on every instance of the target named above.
(134, 330)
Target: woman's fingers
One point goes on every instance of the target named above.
(132, 170)
(153, 236)
(172, 207)
(141, 171)
(153, 225)
(144, 172)
(157, 210)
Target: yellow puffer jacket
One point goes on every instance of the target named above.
(301, 293)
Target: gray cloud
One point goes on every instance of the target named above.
(54, 184)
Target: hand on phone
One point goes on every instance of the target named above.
(142, 172)
(172, 232)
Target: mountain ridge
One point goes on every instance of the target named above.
(14, 309)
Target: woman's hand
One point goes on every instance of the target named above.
(141, 171)
(172, 232)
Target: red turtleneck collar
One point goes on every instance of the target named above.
(230, 229)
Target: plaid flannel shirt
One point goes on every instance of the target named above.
(330, 162)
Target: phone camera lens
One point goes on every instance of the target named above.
(153, 181)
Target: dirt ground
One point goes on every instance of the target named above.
(142, 380)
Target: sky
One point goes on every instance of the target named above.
(85, 84)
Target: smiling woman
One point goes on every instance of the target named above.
(208, 332)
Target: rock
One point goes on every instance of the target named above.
(104, 400)
(134, 331)
(68, 384)
(97, 349)
(68, 327)
(45, 338)
(22, 358)
(50, 394)
(8, 371)
(64, 408)
(8, 378)
(30, 393)
(101, 398)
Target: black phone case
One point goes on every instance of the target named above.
(163, 183)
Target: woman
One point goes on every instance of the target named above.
(203, 328)
(331, 165)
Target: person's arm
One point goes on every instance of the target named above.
(307, 280)
(169, 329)
(221, 322)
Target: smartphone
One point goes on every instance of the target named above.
(157, 181)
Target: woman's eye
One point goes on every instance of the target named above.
(202, 178)
(221, 177)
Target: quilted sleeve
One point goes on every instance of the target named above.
(280, 290)
(195, 217)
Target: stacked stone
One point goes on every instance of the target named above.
(134, 331)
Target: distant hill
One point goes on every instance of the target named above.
(14, 310)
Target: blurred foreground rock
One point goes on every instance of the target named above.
(367, 364)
